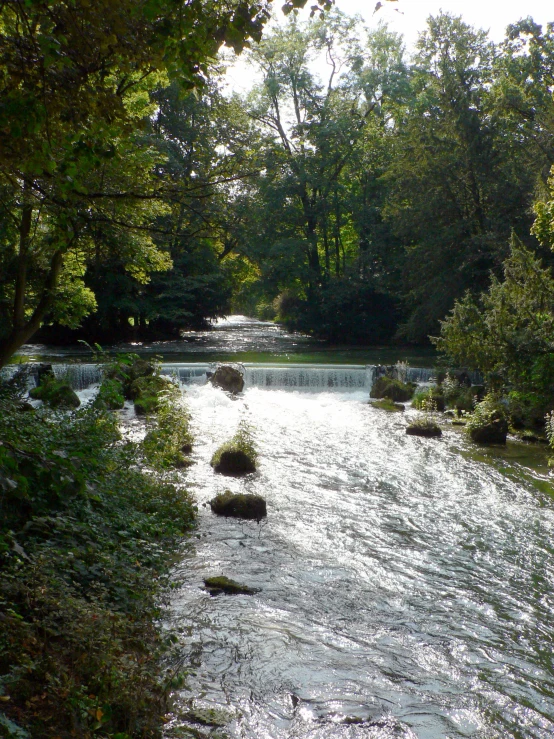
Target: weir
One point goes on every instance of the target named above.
(305, 377)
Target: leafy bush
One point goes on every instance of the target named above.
(168, 444)
(85, 543)
(422, 397)
(488, 424)
(110, 395)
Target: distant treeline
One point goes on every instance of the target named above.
(358, 207)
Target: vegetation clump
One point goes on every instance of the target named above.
(488, 424)
(56, 393)
(425, 425)
(86, 539)
(388, 405)
(434, 394)
(222, 584)
(395, 390)
(169, 444)
(110, 395)
(239, 505)
(237, 456)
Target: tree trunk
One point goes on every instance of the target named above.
(22, 331)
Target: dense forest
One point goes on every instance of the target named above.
(358, 207)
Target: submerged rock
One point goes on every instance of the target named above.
(239, 505)
(222, 584)
(228, 378)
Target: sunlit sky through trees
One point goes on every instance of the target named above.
(408, 17)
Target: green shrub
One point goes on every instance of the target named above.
(422, 397)
(86, 540)
(488, 424)
(386, 387)
(110, 395)
(170, 442)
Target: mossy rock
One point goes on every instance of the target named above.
(222, 584)
(110, 395)
(56, 393)
(147, 405)
(427, 430)
(228, 378)
(458, 422)
(239, 505)
(388, 405)
(494, 432)
(233, 462)
(386, 387)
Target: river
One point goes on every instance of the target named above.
(406, 584)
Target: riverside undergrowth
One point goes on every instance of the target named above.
(86, 541)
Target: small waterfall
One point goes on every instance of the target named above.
(79, 376)
(188, 374)
(318, 378)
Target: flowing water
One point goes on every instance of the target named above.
(405, 583)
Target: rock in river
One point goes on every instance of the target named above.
(239, 505)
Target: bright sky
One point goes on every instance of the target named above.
(488, 14)
(492, 15)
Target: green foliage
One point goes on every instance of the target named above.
(85, 543)
(169, 443)
(387, 405)
(507, 332)
(56, 393)
(110, 395)
(489, 418)
(434, 395)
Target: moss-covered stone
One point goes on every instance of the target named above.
(488, 423)
(388, 405)
(56, 393)
(237, 456)
(426, 428)
(222, 584)
(386, 387)
(148, 386)
(239, 505)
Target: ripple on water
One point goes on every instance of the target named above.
(406, 588)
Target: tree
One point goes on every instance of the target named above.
(458, 181)
(74, 88)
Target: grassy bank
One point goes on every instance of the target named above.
(86, 541)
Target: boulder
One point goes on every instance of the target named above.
(428, 430)
(386, 387)
(234, 462)
(239, 505)
(494, 432)
(222, 584)
(228, 378)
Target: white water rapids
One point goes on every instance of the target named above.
(406, 583)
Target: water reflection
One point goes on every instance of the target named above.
(406, 588)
